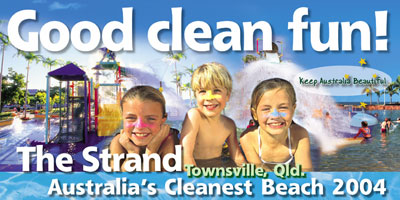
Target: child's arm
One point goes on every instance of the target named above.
(359, 131)
(116, 148)
(121, 144)
(168, 147)
(156, 141)
(233, 146)
(190, 128)
(302, 155)
(159, 142)
(248, 148)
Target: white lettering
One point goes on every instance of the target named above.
(298, 25)
(76, 38)
(86, 155)
(14, 35)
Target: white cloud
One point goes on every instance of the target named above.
(59, 6)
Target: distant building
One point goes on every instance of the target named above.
(32, 92)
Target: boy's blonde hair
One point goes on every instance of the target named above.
(211, 75)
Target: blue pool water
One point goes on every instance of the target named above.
(381, 154)
(20, 133)
(32, 132)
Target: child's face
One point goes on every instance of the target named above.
(212, 101)
(275, 111)
(142, 120)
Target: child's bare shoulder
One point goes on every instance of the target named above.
(228, 122)
(250, 132)
(299, 132)
(194, 113)
(249, 135)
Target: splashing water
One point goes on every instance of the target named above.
(308, 105)
(176, 107)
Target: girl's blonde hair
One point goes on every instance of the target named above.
(268, 85)
(143, 93)
(211, 75)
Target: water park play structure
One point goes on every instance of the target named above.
(73, 124)
(91, 110)
(83, 120)
(108, 114)
(75, 121)
(272, 55)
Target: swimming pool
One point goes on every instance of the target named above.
(23, 133)
(381, 154)
(20, 133)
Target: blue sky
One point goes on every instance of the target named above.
(276, 13)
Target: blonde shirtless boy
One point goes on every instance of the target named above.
(205, 129)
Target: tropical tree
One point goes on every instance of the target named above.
(40, 97)
(189, 71)
(29, 56)
(56, 99)
(368, 91)
(396, 83)
(176, 57)
(4, 43)
(177, 80)
(378, 94)
(48, 62)
(391, 89)
(187, 87)
(12, 87)
(249, 58)
(22, 101)
(56, 90)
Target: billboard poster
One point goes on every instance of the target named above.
(211, 99)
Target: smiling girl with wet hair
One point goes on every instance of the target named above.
(144, 130)
(275, 139)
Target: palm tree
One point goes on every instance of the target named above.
(29, 56)
(249, 58)
(391, 89)
(177, 80)
(4, 43)
(188, 87)
(176, 57)
(368, 90)
(378, 93)
(48, 62)
(397, 81)
(189, 71)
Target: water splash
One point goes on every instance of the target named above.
(309, 106)
(175, 106)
